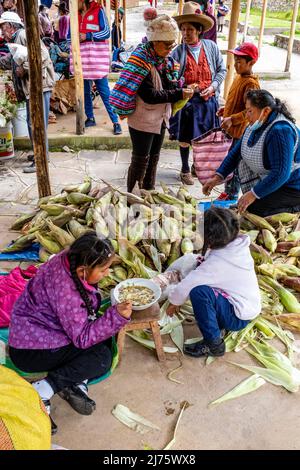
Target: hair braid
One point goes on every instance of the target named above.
(79, 286)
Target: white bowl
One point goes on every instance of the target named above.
(139, 282)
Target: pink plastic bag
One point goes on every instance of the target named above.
(11, 287)
(209, 151)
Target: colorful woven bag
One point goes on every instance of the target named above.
(209, 151)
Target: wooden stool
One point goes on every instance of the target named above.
(140, 320)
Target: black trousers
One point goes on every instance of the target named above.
(146, 149)
(282, 200)
(66, 366)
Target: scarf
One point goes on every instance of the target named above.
(138, 66)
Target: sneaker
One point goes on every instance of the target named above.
(223, 197)
(48, 409)
(78, 399)
(117, 129)
(90, 122)
(205, 348)
(30, 169)
(30, 158)
(193, 171)
(186, 178)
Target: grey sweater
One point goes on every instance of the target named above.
(214, 58)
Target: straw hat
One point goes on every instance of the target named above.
(191, 13)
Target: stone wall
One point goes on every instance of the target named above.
(273, 5)
(282, 41)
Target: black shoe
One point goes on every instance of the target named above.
(30, 158)
(90, 122)
(30, 169)
(205, 348)
(79, 400)
(48, 408)
(117, 129)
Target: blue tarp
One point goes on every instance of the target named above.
(31, 254)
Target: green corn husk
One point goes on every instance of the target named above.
(155, 258)
(171, 228)
(107, 281)
(53, 209)
(252, 234)
(293, 236)
(259, 222)
(288, 270)
(21, 221)
(57, 199)
(264, 326)
(120, 273)
(136, 231)
(269, 240)
(268, 269)
(288, 299)
(79, 198)
(143, 270)
(248, 385)
(150, 344)
(281, 233)
(50, 245)
(89, 217)
(187, 246)
(294, 251)
(164, 247)
(43, 255)
(76, 228)
(129, 253)
(62, 219)
(175, 252)
(84, 187)
(115, 245)
(20, 243)
(259, 254)
(188, 197)
(60, 235)
(283, 217)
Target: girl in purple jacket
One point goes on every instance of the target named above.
(54, 326)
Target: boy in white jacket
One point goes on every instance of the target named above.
(223, 289)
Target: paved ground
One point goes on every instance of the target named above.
(266, 419)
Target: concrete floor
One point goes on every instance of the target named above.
(266, 419)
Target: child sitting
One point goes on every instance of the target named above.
(54, 326)
(223, 289)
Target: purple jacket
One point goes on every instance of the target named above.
(50, 313)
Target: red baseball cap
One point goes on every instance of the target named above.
(246, 49)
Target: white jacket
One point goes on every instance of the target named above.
(230, 269)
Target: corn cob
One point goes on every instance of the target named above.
(293, 236)
(60, 235)
(252, 234)
(259, 254)
(50, 245)
(20, 243)
(294, 251)
(53, 209)
(21, 221)
(287, 299)
(269, 240)
(283, 217)
(79, 198)
(76, 228)
(186, 246)
(259, 222)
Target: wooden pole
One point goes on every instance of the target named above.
(247, 17)
(233, 27)
(124, 21)
(292, 36)
(262, 24)
(36, 97)
(117, 21)
(79, 90)
(180, 7)
(108, 14)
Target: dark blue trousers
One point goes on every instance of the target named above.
(214, 312)
(104, 92)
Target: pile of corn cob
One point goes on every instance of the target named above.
(148, 231)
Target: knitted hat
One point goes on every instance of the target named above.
(149, 14)
(162, 28)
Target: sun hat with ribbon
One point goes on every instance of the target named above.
(191, 13)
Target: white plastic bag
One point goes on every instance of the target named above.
(185, 264)
(19, 53)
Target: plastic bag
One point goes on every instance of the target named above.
(19, 53)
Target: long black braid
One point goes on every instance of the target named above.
(221, 226)
(89, 251)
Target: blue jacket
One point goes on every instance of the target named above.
(277, 157)
(214, 58)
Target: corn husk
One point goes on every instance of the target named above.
(252, 234)
(21, 221)
(187, 246)
(248, 385)
(79, 198)
(133, 420)
(53, 209)
(259, 254)
(259, 222)
(50, 245)
(62, 219)
(150, 344)
(177, 337)
(84, 187)
(43, 255)
(294, 251)
(20, 243)
(288, 300)
(173, 441)
(120, 273)
(61, 236)
(293, 236)
(283, 217)
(269, 240)
(76, 228)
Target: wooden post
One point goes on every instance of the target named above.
(124, 21)
(233, 27)
(117, 23)
(108, 14)
(247, 17)
(36, 97)
(262, 24)
(180, 7)
(292, 36)
(77, 67)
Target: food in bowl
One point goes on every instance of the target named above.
(138, 295)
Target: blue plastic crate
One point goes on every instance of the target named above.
(203, 206)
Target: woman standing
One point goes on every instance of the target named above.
(203, 69)
(267, 158)
(147, 86)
